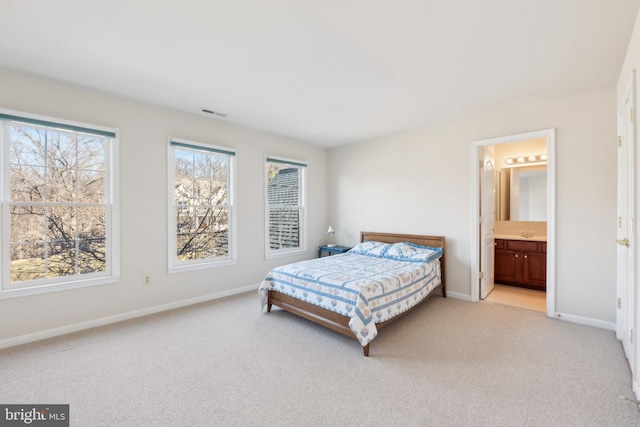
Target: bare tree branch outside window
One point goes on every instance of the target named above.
(202, 208)
(57, 203)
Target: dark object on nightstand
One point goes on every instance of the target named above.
(332, 250)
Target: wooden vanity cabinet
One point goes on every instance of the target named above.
(521, 263)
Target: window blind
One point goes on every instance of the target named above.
(175, 143)
(56, 125)
(286, 162)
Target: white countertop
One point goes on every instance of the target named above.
(534, 238)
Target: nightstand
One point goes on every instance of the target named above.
(332, 250)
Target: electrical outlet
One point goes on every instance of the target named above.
(147, 280)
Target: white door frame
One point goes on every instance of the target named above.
(550, 135)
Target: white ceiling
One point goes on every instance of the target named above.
(323, 71)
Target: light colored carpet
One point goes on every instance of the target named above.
(224, 363)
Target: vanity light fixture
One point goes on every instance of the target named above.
(540, 158)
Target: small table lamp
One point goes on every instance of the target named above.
(331, 232)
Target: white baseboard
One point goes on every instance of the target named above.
(586, 321)
(458, 295)
(63, 330)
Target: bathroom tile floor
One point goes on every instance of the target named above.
(527, 299)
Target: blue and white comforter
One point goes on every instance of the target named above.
(368, 289)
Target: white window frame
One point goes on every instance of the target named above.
(302, 206)
(174, 265)
(112, 214)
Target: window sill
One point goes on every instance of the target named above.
(201, 266)
(285, 253)
(55, 287)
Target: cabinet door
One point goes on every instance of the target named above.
(507, 266)
(534, 270)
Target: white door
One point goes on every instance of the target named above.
(487, 223)
(626, 307)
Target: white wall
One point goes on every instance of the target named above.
(420, 182)
(143, 196)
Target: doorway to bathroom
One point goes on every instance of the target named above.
(513, 240)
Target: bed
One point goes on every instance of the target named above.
(363, 290)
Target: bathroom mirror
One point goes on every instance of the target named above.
(521, 193)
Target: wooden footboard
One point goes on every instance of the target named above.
(340, 323)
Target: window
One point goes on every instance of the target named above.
(201, 216)
(57, 205)
(285, 206)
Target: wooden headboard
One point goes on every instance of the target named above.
(431, 241)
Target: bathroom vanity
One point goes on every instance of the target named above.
(521, 262)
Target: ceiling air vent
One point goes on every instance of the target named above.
(215, 113)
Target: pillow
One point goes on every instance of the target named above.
(405, 251)
(370, 247)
